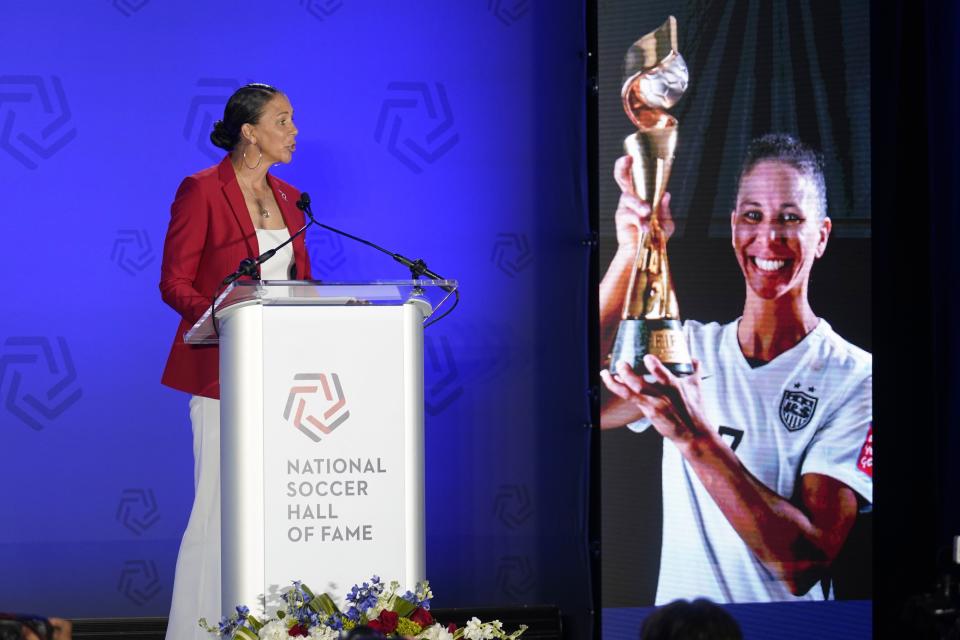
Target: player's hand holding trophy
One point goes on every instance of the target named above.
(656, 77)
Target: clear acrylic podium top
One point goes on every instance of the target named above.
(430, 294)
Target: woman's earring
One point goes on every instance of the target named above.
(259, 159)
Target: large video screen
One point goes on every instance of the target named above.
(734, 208)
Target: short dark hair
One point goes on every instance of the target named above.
(697, 620)
(244, 106)
(785, 148)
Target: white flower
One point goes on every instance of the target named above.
(435, 632)
(423, 590)
(476, 630)
(274, 630)
(385, 600)
(323, 633)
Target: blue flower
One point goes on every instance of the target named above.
(415, 599)
(226, 626)
(365, 595)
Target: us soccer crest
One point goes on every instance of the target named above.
(796, 409)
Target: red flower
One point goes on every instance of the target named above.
(297, 630)
(422, 617)
(386, 623)
(452, 627)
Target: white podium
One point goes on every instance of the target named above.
(321, 434)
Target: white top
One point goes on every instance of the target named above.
(807, 411)
(277, 267)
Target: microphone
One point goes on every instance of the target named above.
(304, 204)
(417, 267)
(248, 266)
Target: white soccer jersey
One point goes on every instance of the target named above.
(807, 411)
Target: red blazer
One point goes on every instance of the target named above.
(210, 232)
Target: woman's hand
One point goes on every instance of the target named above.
(614, 410)
(633, 214)
(673, 405)
(796, 542)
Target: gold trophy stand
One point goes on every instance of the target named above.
(650, 323)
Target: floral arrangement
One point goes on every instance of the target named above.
(380, 607)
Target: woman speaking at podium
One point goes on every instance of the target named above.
(219, 217)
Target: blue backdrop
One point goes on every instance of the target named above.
(449, 131)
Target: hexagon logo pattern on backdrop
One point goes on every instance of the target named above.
(129, 7)
(416, 123)
(443, 386)
(321, 9)
(512, 505)
(139, 581)
(132, 250)
(327, 253)
(508, 11)
(38, 381)
(35, 119)
(137, 510)
(515, 576)
(511, 253)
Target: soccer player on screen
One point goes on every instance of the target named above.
(769, 456)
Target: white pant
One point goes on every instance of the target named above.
(196, 585)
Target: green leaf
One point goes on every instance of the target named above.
(246, 634)
(253, 622)
(324, 603)
(403, 608)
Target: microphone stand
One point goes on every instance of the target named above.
(248, 266)
(418, 268)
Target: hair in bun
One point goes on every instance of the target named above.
(244, 106)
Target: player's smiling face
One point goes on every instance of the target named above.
(778, 229)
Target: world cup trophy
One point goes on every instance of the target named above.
(656, 77)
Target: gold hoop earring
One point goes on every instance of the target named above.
(259, 159)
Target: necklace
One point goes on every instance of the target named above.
(264, 212)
